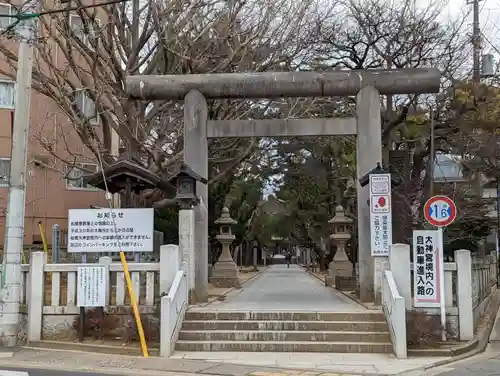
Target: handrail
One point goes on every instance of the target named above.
(393, 305)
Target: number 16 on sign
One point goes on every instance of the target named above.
(439, 211)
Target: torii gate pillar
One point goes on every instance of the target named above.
(367, 86)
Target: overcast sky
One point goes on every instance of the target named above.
(489, 17)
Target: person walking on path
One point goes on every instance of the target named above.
(288, 257)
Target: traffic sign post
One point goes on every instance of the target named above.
(440, 211)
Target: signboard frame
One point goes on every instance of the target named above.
(110, 230)
(439, 232)
(92, 284)
(380, 218)
(435, 267)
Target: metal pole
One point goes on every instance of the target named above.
(442, 308)
(497, 165)
(432, 154)
(14, 229)
(476, 43)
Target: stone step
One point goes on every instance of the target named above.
(291, 336)
(370, 326)
(282, 346)
(285, 316)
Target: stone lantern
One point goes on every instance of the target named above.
(340, 269)
(225, 273)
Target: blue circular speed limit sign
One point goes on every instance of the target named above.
(440, 211)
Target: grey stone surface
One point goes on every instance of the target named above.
(284, 84)
(281, 127)
(196, 157)
(368, 153)
(287, 289)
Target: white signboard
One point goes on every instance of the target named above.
(427, 268)
(91, 290)
(105, 230)
(380, 214)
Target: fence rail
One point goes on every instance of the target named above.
(484, 277)
(52, 291)
(61, 281)
(393, 305)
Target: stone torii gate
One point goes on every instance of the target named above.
(367, 86)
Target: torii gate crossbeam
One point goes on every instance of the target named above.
(367, 86)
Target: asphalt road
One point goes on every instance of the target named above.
(486, 367)
(7, 371)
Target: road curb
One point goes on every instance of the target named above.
(460, 352)
(482, 341)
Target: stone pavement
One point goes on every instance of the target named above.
(366, 364)
(310, 364)
(100, 364)
(286, 289)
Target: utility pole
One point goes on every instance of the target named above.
(432, 154)
(476, 43)
(14, 229)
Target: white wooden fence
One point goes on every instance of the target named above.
(468, 284)
(393, 305)
(49, 292)
(173, 308)
(468, 287)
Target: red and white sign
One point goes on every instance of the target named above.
(380, 214)
(380, 204)
(440, 211)
(427, 268)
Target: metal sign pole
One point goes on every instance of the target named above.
(441, 283)
(440, 211)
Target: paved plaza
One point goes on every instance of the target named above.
(287, 289)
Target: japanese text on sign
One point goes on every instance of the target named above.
(100, 230)
(427, 256)
(91, 290)
(380, 214)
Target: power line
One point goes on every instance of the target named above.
(20, 16)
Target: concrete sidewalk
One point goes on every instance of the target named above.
(310, 364)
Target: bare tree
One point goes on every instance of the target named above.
(83, 57)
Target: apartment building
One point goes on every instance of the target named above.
(53, 187)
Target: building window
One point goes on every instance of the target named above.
(6, 10)
(7, 93)
(86, 106)
(4, 172)
(89, 37)
(75, 174)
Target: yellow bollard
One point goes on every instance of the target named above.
(137, 316)
(44, 241)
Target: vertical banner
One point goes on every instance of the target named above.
(427, 268)
(380, 214)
